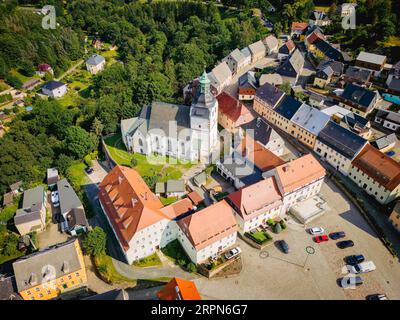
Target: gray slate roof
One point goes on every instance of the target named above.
(31, 205)
(257, 47)
(52, 85)
(175, 186)
(362, 75)
(270, 94)
(95, 60)
(237, 56)
(385, 141)
(359, 95)
(260, 131)
(30, 270)
(68, 198)
(311, 119)
(371, 57)
(292, 66)
(341, 140)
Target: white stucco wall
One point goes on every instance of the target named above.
(379, 192)
(334, 158)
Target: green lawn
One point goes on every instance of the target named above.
(76, 174)
(20, 76)
(259, 237)
(150, 261)
(175, 252)
(108, 272)
(168, 201)
(164, 171)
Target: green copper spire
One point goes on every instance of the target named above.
(204, 83)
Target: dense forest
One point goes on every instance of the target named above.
(24, 43)
(161, 47)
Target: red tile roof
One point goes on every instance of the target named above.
(177, 208)
(299, 172)
(380, 167)
(263, 158)
(195, 197)
(233, 109)
(128, 203)
(179, 289)
(299, 25)
(209, 225)
(290, 45)
(256, 199)
(314, 36)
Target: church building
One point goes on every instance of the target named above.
(183, 132)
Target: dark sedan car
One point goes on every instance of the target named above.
(345, 244)
(284, 246)
(354, 259)
(337, 235)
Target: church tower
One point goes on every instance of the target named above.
(204, 120)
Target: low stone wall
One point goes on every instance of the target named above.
(255, 244)
(108, 156)
(210, 273)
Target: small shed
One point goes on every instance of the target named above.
(52, 177)
(200, 179)
(195, 198)
(8, 199)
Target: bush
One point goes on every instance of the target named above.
(191, 267)
(88, 160)
(181, 262)
(95, 242)
(271, 222)
(134, 162)
(283, 224)
(277, 228)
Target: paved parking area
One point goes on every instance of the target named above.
(300, 275)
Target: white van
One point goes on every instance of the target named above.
(362, 267)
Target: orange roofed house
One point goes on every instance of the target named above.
(138, 219)
(256, 203)
(208, 232)
(298, 179)
(377, 174)
(179, 289)
(232, 113)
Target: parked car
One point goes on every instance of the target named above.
(354, 259)
(232, 253)
(337, 235)
(323, 238)
(345, 244)
(377, 296)
(284, 246)
(55, 200)
(89, 170)
(316, 231)
(348, 282)
(362, 267)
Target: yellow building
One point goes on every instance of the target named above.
(46, 274)
(394, 218)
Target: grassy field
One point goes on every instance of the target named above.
(108, 272)
(21, 77)
(76, 174)
(150, 261)
(162, 168)
(392, 41)
(321, 8)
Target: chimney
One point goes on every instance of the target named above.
(178, 294)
